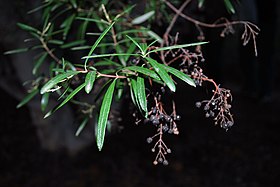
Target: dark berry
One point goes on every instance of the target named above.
(152, 117)
(165, 128)
(155, 121)
(154, 110)
(165, 162)
(167, 118)
(230, 123)
(177, 118)
(161, 116)
(146, 121)
(160, 160)
(198, 104)
(149, 140)
(170, 131)
(206, 107)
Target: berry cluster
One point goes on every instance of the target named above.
(218, 107)
(165, 124)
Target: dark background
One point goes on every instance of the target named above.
(202, 154)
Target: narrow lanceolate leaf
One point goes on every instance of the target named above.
(142, 18)
(99, 40)
(103, 116)
(68, 24)
(176, 47)
(133, 91)
(38, 63)
(44, 101)
(142, 98)
(144, 71)
(72, 44)
(81, 127)
(136, 43)
(90, 78)
(229, 6)
(155, 36)
(27, 98)
(55, 80)
(200, 3)
(21, 50)
(179, 74)
(162, 73)
(68, 98)
(28, 28)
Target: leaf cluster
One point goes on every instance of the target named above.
(118, 52)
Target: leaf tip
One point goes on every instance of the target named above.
(48, 114)
(99, 146)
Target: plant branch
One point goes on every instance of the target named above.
(251, 30)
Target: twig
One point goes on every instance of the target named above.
(169, 28)
(253, 29)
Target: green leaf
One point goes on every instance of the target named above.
(107, 62)
(57, 42)
(142, 18)
(68, 98)
(155, 36)
(141, 93)
(200, 3)
(28, 97)
(38, 8)
(81, 127)
(179, 74)
(130, 50)
(229, 6)
(176, 47)
(109, 55)
(144, 71)
(44, 101)
(67, 24)
(133, 92)
(103, 116)
(21, 50)
(136, 43)
(59, 78)
(127, 10)
(74, 3)
(93, 20)
(72, 44)
(98, 41)
(38, 63)
(162, 73)
(28, 28)
(90, 78)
